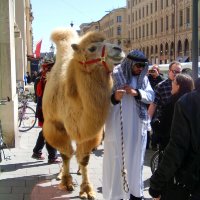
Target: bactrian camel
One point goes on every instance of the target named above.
(76, 99)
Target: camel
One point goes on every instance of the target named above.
(76, 99)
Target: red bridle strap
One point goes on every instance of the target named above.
(102, 59)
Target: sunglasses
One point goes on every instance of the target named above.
(175, 72)
(139, 65)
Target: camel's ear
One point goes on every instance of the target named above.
(75, 47)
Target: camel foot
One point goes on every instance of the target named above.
(67, 182)
(87, 191)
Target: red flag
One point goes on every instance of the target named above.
(37, 49)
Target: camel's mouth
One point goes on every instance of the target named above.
(117, 59)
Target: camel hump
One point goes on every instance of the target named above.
(64, 38)
(64, 35)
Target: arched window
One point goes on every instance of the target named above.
(186, 48)
(166, 49)
(161, 50)
(179, 48)
(151, 49)
(156, 49)
(172, 49)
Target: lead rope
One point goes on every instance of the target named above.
(123, 170)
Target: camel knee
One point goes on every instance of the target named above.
(85, 160)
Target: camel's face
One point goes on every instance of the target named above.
(100, 54)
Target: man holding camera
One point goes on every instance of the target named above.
(163, 94)
(155, 77)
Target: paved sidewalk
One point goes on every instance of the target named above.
(23, 178)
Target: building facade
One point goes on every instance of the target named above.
(160, 28)
(15, 22)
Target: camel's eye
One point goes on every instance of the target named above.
(92, 49)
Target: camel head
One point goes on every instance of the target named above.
(93, 52)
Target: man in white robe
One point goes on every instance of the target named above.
(133, 91)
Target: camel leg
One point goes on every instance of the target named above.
(83, 155)
(56, 136)
(66, 178)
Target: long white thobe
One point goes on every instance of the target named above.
(135, 136)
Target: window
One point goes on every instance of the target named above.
(147, 10)
(133, 34)
(156, 29)
(161, 24)
(136, 15)
(151, 8)
(143, 31)
(173, 21)
(118, 30)
(147, 29)
(187, 16)
(136, 35)
(156, 6)
(161, 4)
(139, 14)
(143, 12)
(151, 28)
(119, 18)
(167, 23)
(181, 18)
(140, 32)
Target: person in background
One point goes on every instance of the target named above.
(181, 85)
(28, 78)
(133, 92)
(40, 143)
(34, 76)
(178, 175)
(163, 95)
(155, 77)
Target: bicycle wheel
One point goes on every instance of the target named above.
(154, 161)
(27, 119)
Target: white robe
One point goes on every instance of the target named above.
(135, 136)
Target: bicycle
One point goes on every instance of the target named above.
(26, 114)
(3, 145)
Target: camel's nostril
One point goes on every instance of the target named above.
(117, 48)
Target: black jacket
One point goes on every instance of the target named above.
(183, 148)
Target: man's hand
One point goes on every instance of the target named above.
(119, 94)
(131, 91)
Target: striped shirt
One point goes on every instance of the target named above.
(162, 94)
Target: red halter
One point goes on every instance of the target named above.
(102, 59)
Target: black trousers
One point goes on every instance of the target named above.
(40, 143)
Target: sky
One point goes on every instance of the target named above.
(52, 14)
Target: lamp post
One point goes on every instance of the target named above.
(195, 39)
(71, 24)
(52, 48)
(174, 29)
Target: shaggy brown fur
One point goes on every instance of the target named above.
(77, 98)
